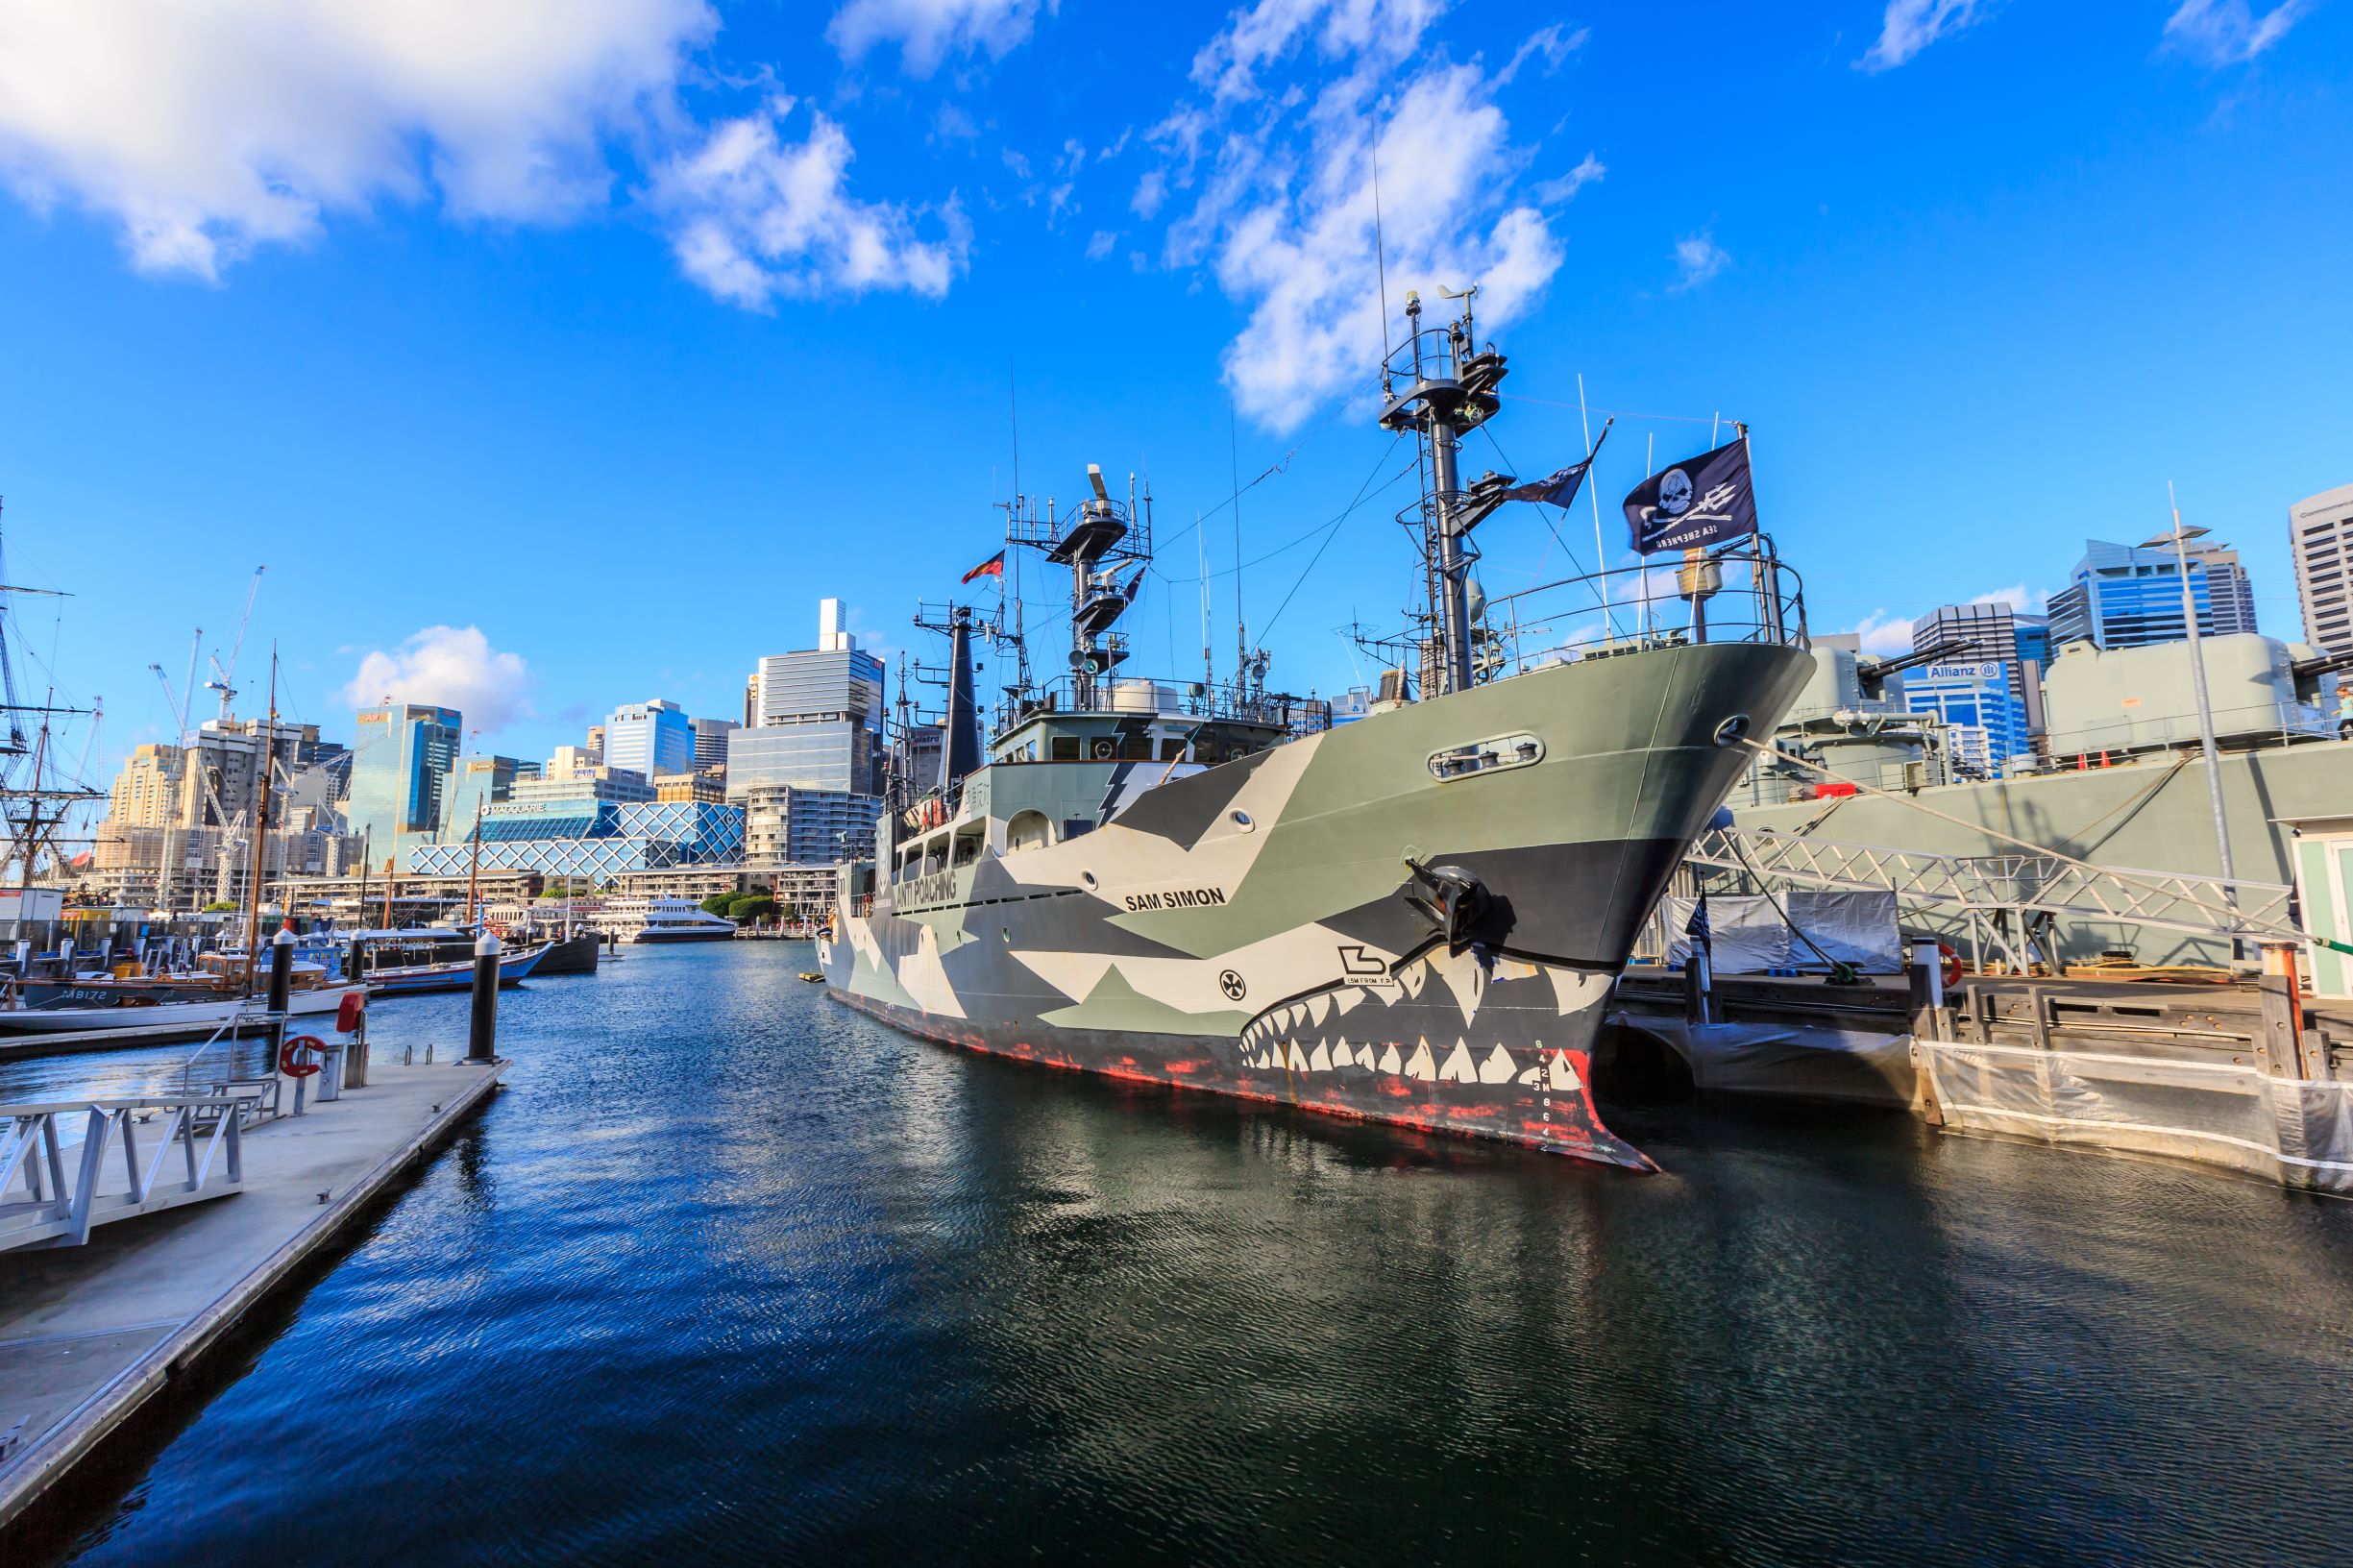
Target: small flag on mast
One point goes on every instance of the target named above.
(1696, 503)
(992, 567)
(1561, 488)
(1555, 490)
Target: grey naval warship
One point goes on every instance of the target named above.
(1415, 916)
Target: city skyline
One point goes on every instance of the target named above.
(447, 527)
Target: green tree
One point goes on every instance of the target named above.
(751, 906)
(718, 903)
(220, 906)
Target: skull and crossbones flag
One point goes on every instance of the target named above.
(1698, 502)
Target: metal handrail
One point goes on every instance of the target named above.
(2050, 884)
(245, 1014)
(59, 1208)
(1758, 598)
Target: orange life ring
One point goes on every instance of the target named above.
(289, 1056)
(1949, 962)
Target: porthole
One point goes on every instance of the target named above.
(1241, 820)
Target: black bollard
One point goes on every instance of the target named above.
(282, 974)
(482, 1029)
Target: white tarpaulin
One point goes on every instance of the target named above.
(1749, 935)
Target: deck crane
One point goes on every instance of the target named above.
(223, 677)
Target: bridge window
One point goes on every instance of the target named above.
(1172, 749)
(1065, 748)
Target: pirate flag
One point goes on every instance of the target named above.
(1561, 488)
(1557, 489)
(1696, 503)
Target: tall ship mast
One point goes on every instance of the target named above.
(1417, 916)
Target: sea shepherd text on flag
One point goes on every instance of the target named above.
(1698, 502)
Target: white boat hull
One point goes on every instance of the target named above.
(164, 1015)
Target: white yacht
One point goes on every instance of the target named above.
(661, 919)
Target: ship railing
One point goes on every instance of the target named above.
(1741, 595)
(2261, 723)
(1152, 696)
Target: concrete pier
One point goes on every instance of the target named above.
(89, 1335)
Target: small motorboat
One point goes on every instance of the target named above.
(436, 974)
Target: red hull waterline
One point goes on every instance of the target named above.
(1555, 1112)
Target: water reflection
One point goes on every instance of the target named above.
(731, 1273)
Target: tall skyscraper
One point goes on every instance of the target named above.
(402, 755)
(2320, 536)
(711, 741)
(477, 784)
(649, 738)
(1993, 634)
(1979, 702)
(2122, 595)
(817, 716)
(809, 765)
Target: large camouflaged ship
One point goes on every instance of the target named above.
(1415, 916)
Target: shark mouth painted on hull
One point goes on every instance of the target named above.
(1462, 1043)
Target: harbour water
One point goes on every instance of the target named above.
(731, 1274)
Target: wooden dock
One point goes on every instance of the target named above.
(90, 1335)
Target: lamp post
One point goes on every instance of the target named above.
(2179, 538)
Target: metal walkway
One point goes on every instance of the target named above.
(1997, 894)
(65, 1197)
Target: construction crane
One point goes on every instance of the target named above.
(171, 701)
(196, 644)
(223, 677)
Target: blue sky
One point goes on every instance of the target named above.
(608, 336)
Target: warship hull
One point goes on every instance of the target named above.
(1355, 922)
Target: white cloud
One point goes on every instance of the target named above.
(2019, 597)
(1281, 192)
(207, 129)
(1910, 26)
(1698, 258)
(1549, 43)
(2227, 32)
(754, 216)
(1552, 192)
(1380, 32)
(1883, 633)
(449, 667)
(1100, 244)
(927, 31)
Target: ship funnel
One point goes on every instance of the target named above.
(963, 738)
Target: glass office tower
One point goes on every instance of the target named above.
(402, 755)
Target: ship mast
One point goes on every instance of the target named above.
(29, 833)
(1450, 388)
(1101, 543)
(261, 825)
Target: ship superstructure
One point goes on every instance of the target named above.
(1417, 916)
